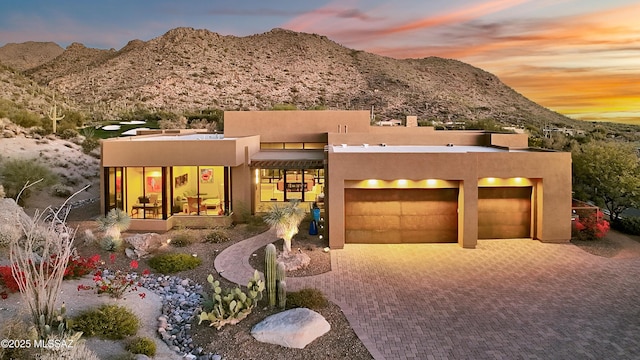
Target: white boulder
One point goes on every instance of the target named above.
(293, 328)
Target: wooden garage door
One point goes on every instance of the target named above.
(387, 216)
(504, 212)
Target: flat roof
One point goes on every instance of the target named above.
(418, 149)
(179, 137)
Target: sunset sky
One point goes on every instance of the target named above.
(578, 57)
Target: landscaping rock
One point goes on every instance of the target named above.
(294, 260)
(293, 328)
(144, 244)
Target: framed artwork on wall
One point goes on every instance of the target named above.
(154, 184)
(206, 175)
(181, 180)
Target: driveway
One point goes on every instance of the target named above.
(506, 299)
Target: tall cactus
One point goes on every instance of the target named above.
(281, 284)
(54, 115)
(282, 294)
(270, 273)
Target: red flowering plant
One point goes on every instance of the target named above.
(8, 283)
(116, 283)
(591, 226)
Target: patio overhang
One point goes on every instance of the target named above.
(288, 160)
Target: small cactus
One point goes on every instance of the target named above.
(270, 273)
(282, 294)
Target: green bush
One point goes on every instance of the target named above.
(171, 263)
(89, 144)
(61, 190)
(68, 133)
(307, 298)
(628, 225)
(183, 238)
(108, 321)
(14, 174)
(217, 236)
(141, 345)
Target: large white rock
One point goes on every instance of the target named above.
(144, 244)
(293, 328)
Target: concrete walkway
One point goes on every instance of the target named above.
(506, 299)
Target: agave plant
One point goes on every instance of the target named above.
(115, 222)
(285, 219)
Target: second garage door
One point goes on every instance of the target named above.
(401, 215)
(504, 212)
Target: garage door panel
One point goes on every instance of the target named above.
(373, 237)
(428, 207)
(357, 222)
(504, 212)
(401, 215)
(372, 208)
(430, 236)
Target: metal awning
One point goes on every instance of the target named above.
(288, 160)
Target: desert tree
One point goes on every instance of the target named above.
(285, 220)
(607, 173)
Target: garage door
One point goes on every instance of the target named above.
(388, 216)
(504, 212)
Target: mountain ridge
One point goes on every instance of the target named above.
(190, 69)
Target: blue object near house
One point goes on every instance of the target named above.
(313, 228)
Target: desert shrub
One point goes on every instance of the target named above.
(25, 118)
(89, 144)
(14, 174)
(38, 130)
(108, 321)
(217, 236)
(629, 225)
(14, 328)
(141, 345)
(8, 232)
(171, 263)
(310, 298)
(78, 350)
(68, 133)
(183, 238)
(2, 194)
(61, 190)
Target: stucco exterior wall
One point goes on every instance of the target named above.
(294, 126)
(132, 152)
(551, 172)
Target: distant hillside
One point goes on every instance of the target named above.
(187, 69)
(28, 55)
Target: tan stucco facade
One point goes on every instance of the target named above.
(361, 156)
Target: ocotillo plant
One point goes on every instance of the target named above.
(270, 273)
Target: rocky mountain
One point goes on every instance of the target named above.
(30, 54)
(189, 69)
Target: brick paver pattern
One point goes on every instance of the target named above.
(506, 299)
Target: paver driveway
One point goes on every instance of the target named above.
(506, 299)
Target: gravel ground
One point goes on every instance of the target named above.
(235, 341)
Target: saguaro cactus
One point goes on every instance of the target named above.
(54, 115)
(270, 273)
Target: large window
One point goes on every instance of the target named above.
(160, 192)
(278, 185)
